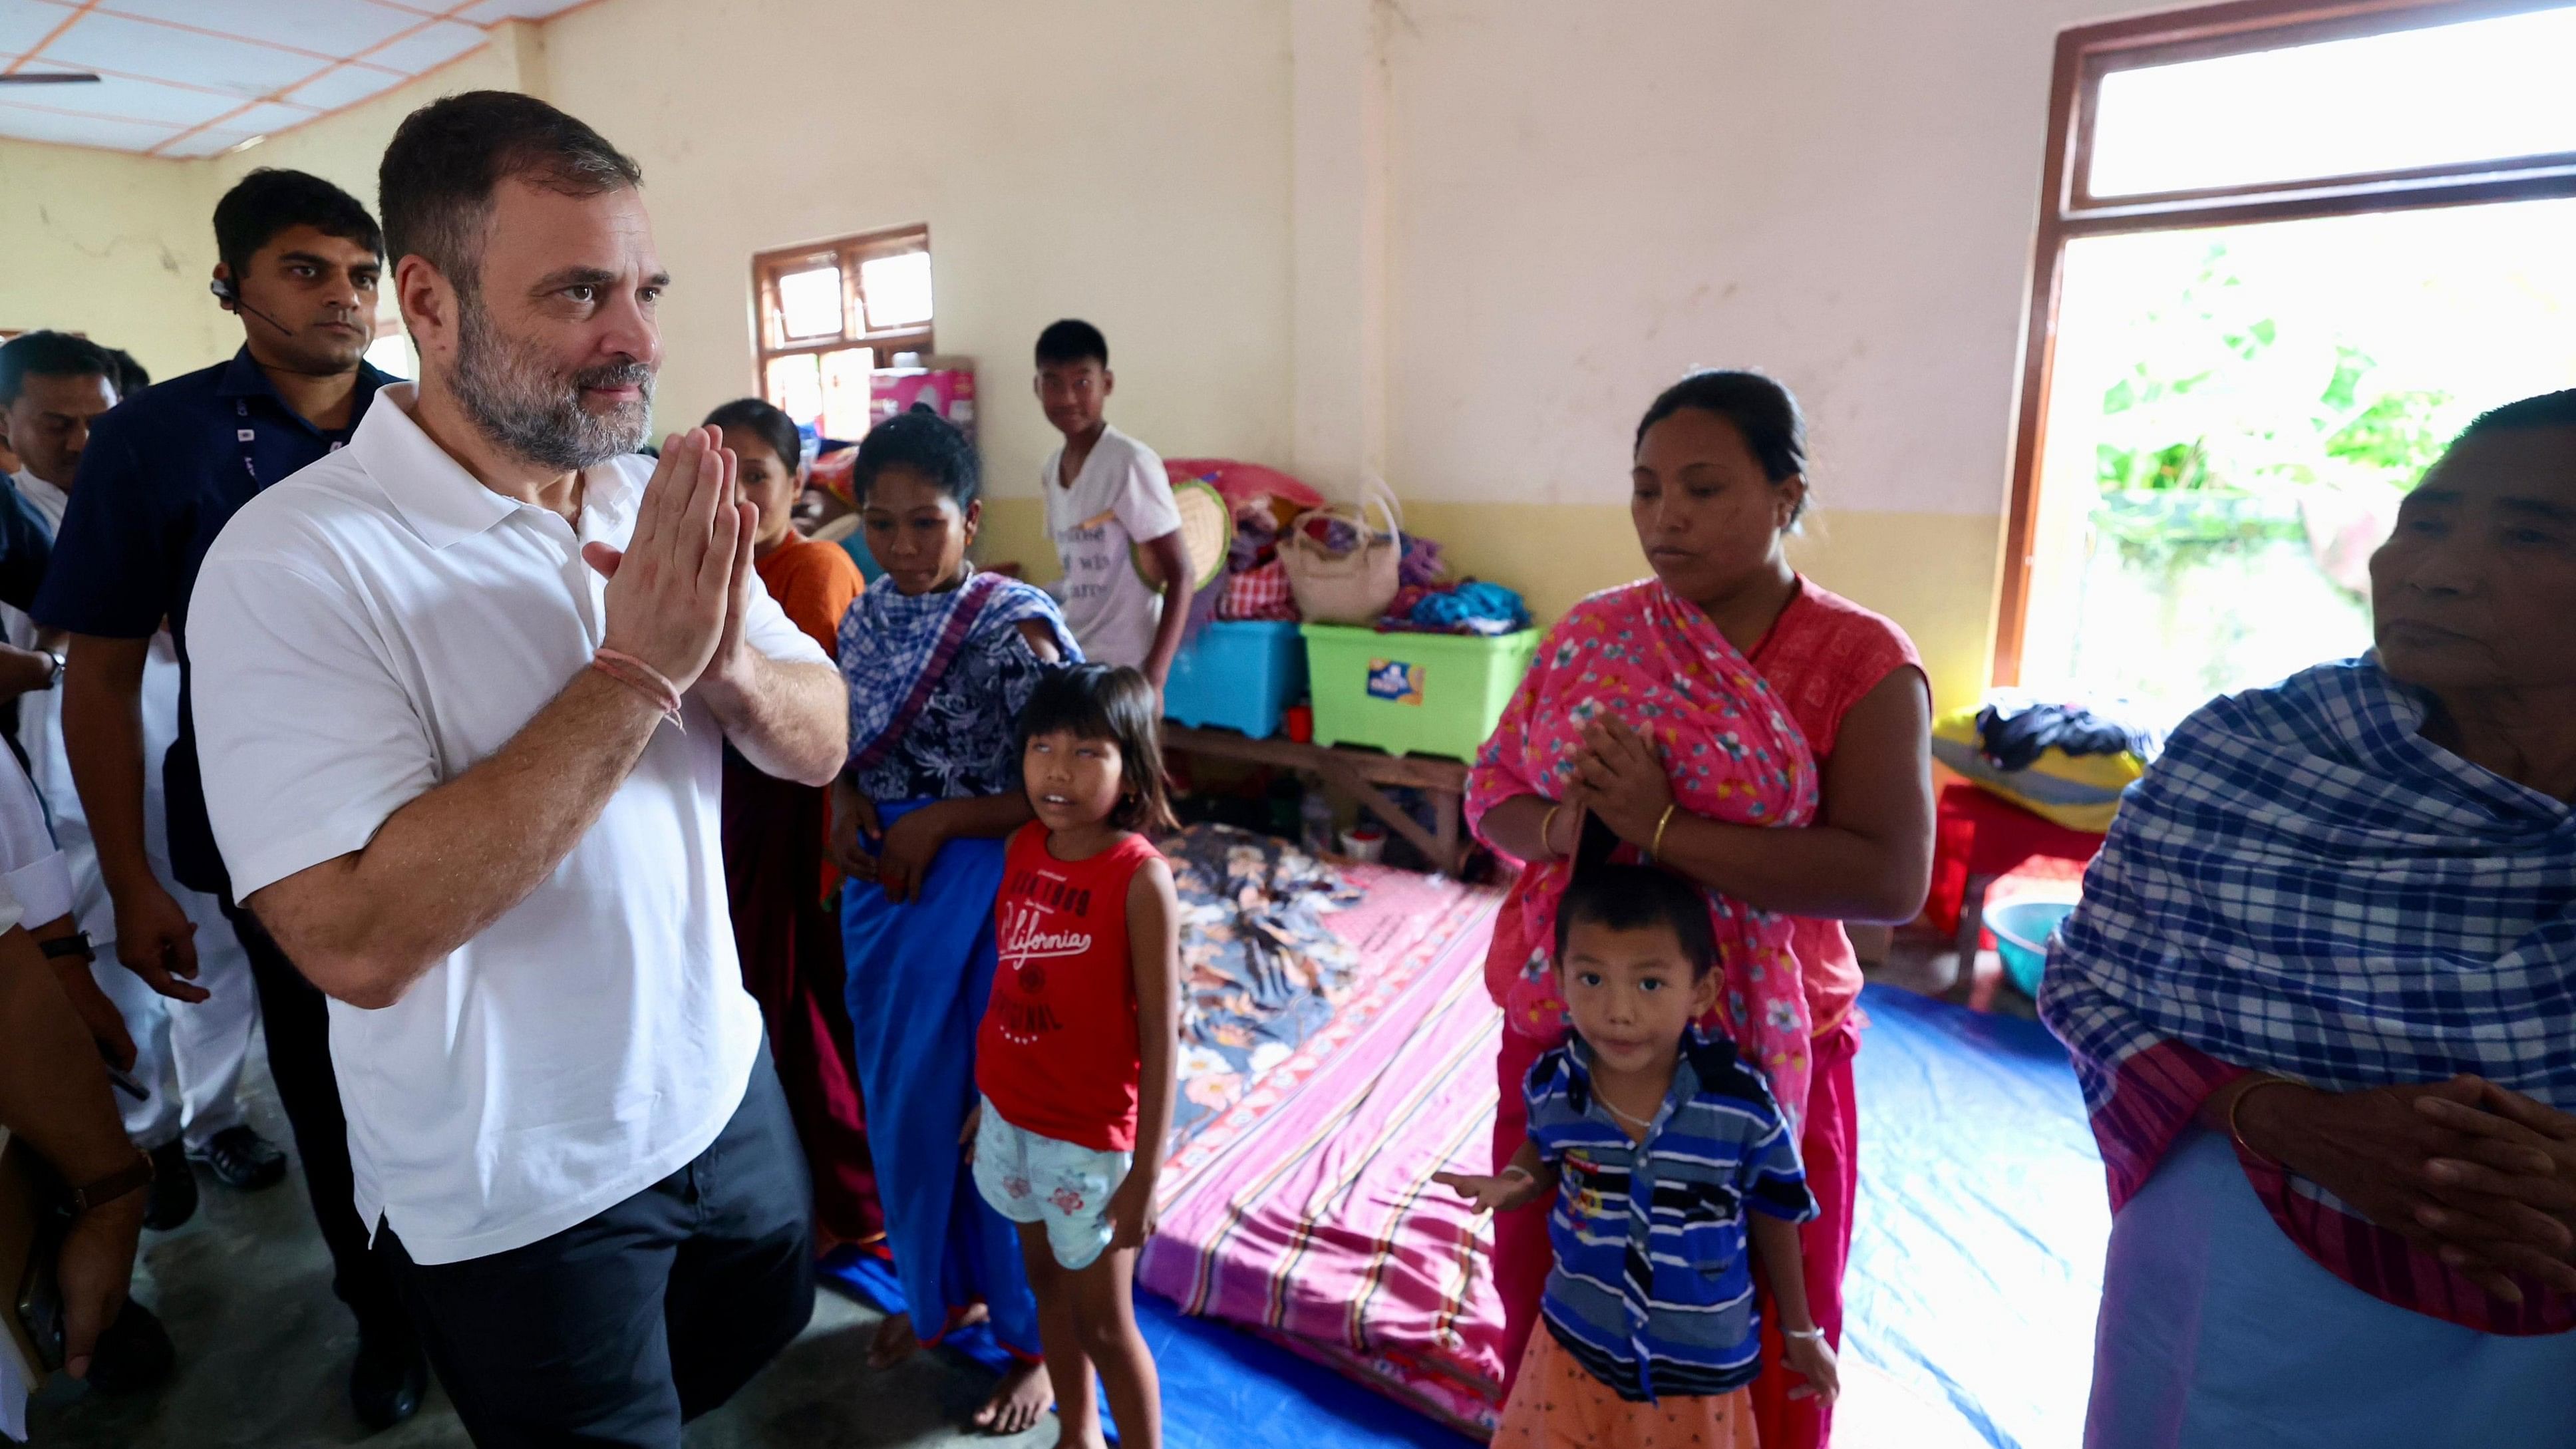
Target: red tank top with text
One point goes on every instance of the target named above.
(1057, 1054)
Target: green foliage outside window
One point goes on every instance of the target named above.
(2223, 420)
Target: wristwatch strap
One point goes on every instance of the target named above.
(133, 1177)
(75, 944)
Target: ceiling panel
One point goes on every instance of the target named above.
(346, 86)
(24, 22)
(127, 100)
(432, 45)
(331, 28)
(32, 123)
(141, 48)
(196, 77)
(267, 118)
(492, 12)
(206, 143)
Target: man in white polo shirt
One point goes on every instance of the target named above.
(463, 688)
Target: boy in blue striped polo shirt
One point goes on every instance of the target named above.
(1665, 1153)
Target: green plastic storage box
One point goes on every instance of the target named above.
(1412, 694)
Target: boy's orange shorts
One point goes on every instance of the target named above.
(1557, 1404)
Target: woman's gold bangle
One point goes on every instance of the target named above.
(1655, 852)
(2236, 1129)
(1547, 828)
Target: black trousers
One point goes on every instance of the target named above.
(617, 1330)
(297, 1018)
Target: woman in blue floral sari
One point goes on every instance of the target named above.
(940, 661)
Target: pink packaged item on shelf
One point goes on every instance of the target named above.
(947, 388)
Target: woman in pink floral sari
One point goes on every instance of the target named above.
(1752, 732)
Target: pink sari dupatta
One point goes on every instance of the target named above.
(1650, 658)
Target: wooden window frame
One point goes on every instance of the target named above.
(2068, 210)
(768, 319)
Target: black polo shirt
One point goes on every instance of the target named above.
(26, 547)
(163, 473)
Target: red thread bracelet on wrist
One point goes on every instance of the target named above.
(641, 677)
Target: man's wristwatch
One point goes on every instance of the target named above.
(60, 659)
(124, 1182)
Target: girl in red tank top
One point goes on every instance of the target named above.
(1077, 1055)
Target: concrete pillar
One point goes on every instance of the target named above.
(1339, 130)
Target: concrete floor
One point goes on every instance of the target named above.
(264, 1352)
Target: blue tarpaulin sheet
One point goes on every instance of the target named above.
(1977, 1242)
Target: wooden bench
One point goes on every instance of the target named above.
(1359, 773)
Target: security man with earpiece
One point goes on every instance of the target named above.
(299, 262)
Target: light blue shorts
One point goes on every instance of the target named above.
(1033, 1179)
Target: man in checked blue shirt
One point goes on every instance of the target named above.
(1665, 1153)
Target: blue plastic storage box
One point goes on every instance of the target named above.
(1237, 676)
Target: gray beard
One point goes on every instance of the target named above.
(535, 413)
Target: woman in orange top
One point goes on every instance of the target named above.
(775, 832)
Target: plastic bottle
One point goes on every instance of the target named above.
(1316, 813)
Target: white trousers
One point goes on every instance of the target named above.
(188, 1055)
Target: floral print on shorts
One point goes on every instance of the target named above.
(1033, 1179)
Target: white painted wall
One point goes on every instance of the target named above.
(1591, 199)
(121, 246)
(111, 245)
(1460, 243)
(1125, 163)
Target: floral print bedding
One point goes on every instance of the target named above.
(1261, 971)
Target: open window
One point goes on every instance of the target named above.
(832, 313)
(2285, 251)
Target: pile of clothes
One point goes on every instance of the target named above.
(1464, 607)
(2065, 761)
(1266, 501)
(1260, 971)
(2013, 732)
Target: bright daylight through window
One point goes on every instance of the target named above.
(2282, 279)
(832, 313)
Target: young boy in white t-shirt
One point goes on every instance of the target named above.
(1105, 492)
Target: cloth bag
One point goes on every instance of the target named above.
(1259, 593)
(1346, 583)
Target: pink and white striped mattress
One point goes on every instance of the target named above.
(1305, 1211)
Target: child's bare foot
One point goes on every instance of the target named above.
(1019, 1401)
(1076, 1439)
(895, 1342)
